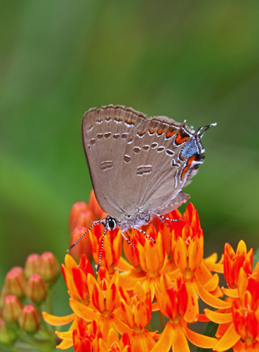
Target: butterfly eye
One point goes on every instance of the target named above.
(110, 223)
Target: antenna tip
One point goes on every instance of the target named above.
(214, 124)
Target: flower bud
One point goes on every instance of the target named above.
(32, 265)
(3, 294)
(83, 246)
(36, 289)
(11, 308)
(15, 281)
(29, 319)
(94, 207)
(76, 210)
(49, 268)
(7, 336)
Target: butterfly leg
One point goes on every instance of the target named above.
(162, 218)
(144, 233)
(127, 239)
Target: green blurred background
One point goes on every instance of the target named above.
(193, 60)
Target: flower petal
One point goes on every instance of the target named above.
(123, 265)
(180, 343)
(192, 310)
(212, 284)
(200, 340)
(121, 327)
(142, 342)
(70, 262)
(165, 340)
(229, 339)
(202, 273)
(112, 297)
(231, 292)
(65, 335)
(219, 318)
(140, 315)
(83, 311)
(129, 279)
(58, 321)
(64, 345)
(98, 298)
(210, 299)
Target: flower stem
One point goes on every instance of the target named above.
(162, 320)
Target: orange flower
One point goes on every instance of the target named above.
(76, 280)
(234, 261)
(172, 300)
(148, 259)
(136, 312)
(239, 325)
(113, 343)
(168, 274)
(86, 337)
(111, 250)
(187, 253)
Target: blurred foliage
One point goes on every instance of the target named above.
(193, 60)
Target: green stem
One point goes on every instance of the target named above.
(162, 320)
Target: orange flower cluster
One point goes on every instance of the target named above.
(239, 324)
(112, 312)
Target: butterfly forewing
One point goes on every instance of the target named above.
(105, 134)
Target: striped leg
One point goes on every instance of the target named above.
(144, 233)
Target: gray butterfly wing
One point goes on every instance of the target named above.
(152, 173)
(104, 135)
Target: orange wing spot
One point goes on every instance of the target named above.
(141, 133)
(130, 122)
(159, 132)
(169, 134)
(152, 131)
(179, 139)
(187, 166)
(119, 119)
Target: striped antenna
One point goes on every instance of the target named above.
(94, 224)
(101, 251)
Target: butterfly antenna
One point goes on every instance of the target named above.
(201, 130)
(101, 251)
(79, 239)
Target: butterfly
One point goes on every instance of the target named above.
(138, 165)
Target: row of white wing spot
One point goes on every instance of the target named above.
(142, 169)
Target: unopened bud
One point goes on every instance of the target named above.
(83, 246)
(36, 289)
(49, 268)
(94, 207)
(76, 210)
(32, 265)
(7, 336)
(29, 319)
(11, 308)
(3, 294)
(15, 281)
